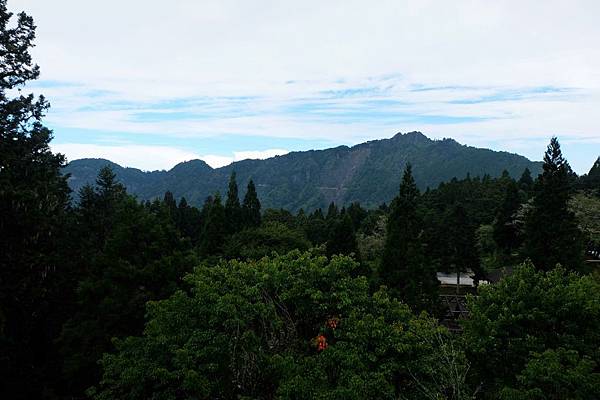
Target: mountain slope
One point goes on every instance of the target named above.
(369, 172)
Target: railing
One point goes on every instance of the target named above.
(455, 306)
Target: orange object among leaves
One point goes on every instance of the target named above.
(333, 322)
(321, 342)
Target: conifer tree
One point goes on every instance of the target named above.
(592, 179)
(463, 244)
(232, 206)
(526, 181)
(171, 205)
(332, 211)
(505, 230)
(251, 206)
(33, 198)
(551, 233)
(342, 239)
(214, 232)
(404, 268)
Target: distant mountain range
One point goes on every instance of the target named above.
(369, 172)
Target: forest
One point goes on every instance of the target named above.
(111, 297)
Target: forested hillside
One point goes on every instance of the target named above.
(367, 173)
(114, 297)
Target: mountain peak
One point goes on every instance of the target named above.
(192, 165)
(368, 173)
(411, 137)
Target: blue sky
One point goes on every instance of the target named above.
(150, 83)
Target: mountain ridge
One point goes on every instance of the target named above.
(368, 172)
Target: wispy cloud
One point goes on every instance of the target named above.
(340, 72)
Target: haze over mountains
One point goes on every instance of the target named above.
(368, 173)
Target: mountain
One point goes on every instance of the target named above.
(369, 172)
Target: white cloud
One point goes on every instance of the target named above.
(217, 161)
(147, 158)
(128, 57)
(151, 158)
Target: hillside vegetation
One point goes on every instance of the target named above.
(368, 173)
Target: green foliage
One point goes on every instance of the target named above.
(342, 238)
(522, 330)
(591, 180)
(251, 207)
(404, 268)
(33, 201)
(551, 232)
(526, 181)
(247, 330)
(127, 256)
(255, 243)
(587, 213)
(369, 173)
(370, 246)
(214, 228)
(233, 210)
(556, 375)
(506, 231)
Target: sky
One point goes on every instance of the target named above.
(150, 83)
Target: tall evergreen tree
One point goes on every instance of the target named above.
(592, 179)
(33, 199)
(551, 232)
(404, 268)
(505, 230)
(332, 212)
(127, 254)
(251, 206)
(342, 238)
(461, 234)
(214, 232)
(232, 206)
(171, 204)
(189, 220)
(526, 181)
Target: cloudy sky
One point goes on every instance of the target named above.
(149, 83)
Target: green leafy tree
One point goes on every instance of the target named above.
(525, 330)
(255, 243)
(127, 254)
(404, 268)
(33, 199)
(551, 233)
(556, 375)
(289, 327)
(251, 207)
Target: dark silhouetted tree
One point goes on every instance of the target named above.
(342, 238)
(251, 207)
(33, 200)
(214, 231)
(505, 229)
(233, 210)
(551, 233)
(462, 238)
(404, 268)
(526, 181)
